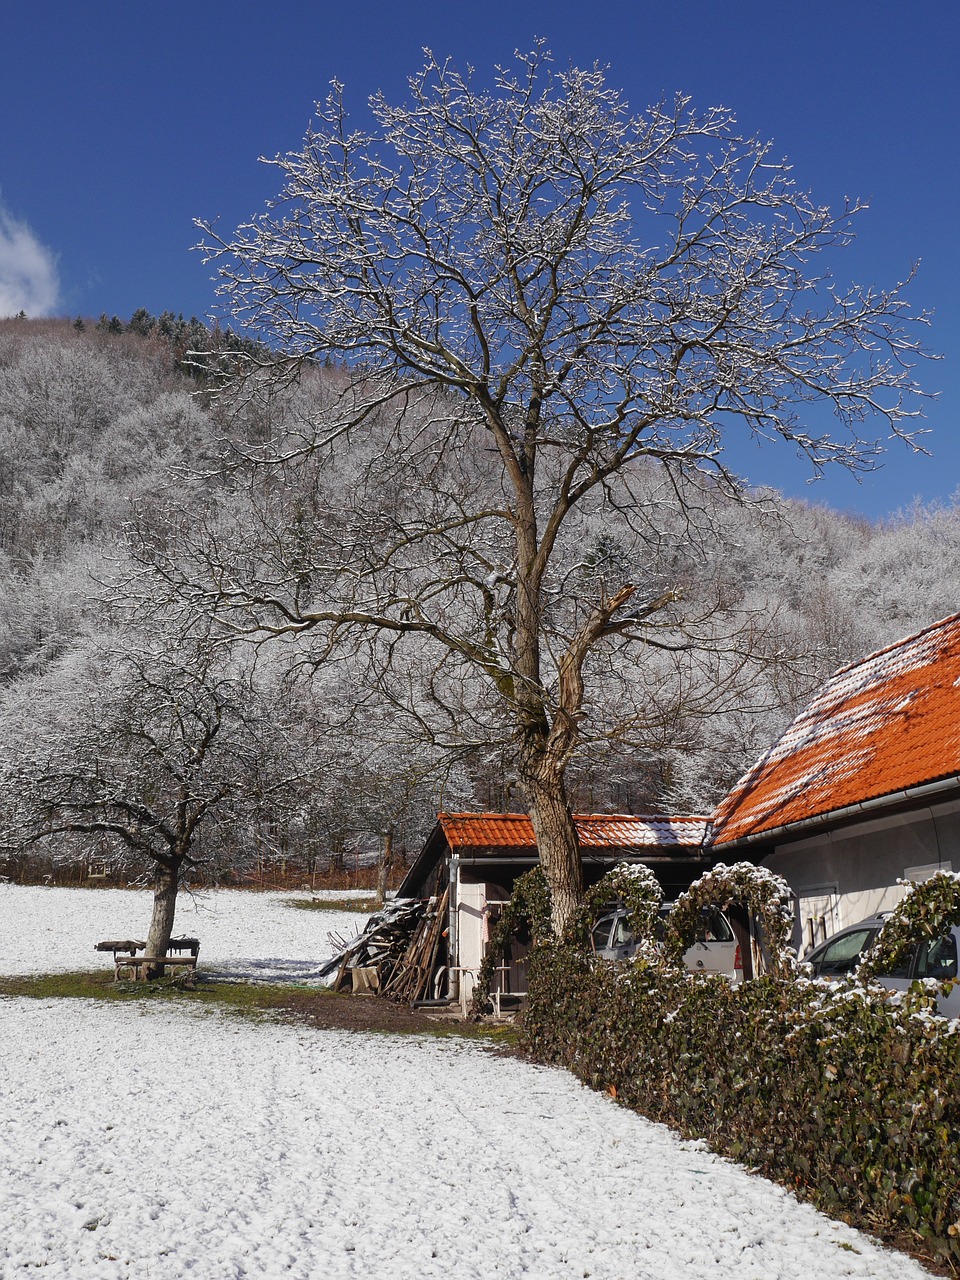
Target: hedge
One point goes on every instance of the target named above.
(848, 1093)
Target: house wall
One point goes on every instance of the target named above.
(842, 876)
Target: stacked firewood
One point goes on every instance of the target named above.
(384, 937)
(397, 954)
(413, 976)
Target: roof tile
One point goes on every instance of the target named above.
(598, 831)
(878, 727)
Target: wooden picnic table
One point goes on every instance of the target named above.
(129, 945)
(125, 956)
(184, 944)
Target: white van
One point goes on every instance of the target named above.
(715, 950)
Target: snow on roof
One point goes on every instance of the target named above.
(595, 830)
(878, 727)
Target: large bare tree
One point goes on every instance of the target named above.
(563, 289)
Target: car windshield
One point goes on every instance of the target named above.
(613, 930)
(842, 954)
(713, 925)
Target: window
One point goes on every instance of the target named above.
(938, 959)
(843, 954)
(905, 967)
(714, 927)
(601, 934)
(622, 933)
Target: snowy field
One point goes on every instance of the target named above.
(241, 934)
(150, 1142)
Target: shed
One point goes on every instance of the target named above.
(480, 855)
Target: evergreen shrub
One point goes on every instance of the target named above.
(847, 1094)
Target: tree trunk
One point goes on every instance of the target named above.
(166, 884)
(556, 834)
(546, 747)
(337, 864)
(383, 867)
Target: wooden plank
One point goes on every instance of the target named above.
(140, 964)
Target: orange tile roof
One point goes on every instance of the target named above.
(878, 727)
(595, 830)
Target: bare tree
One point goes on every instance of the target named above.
(563, 288)
(143, 744)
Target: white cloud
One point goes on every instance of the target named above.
(28, 271)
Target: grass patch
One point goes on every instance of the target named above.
(99, 985)
(363, 906)
(94, 984)
(315, 1006)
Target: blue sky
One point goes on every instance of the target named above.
(120, 123)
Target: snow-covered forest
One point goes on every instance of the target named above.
(140, 723)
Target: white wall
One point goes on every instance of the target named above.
(844, 875)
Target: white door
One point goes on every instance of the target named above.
(817, 908)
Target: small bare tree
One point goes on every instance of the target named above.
(144, 745)
(565, 289)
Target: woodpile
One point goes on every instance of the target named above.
(401, 953)
(413, 976)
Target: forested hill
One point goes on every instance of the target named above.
(108, 433)
(95, 422)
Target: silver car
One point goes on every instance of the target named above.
(715, 950)
(933, 958)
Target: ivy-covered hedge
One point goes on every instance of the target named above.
(766, 897)
(927, 911)
(638, 890)
(848, 1094)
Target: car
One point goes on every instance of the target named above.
(715, 950)
(933, 958)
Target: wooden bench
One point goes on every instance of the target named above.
(125, 956)
(140, 964)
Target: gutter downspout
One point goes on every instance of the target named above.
(453, 941)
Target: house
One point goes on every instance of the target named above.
(478, 856)
(862, 790)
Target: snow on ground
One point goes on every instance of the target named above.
(159, 1142)
(152, 1143)
(242, 934)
